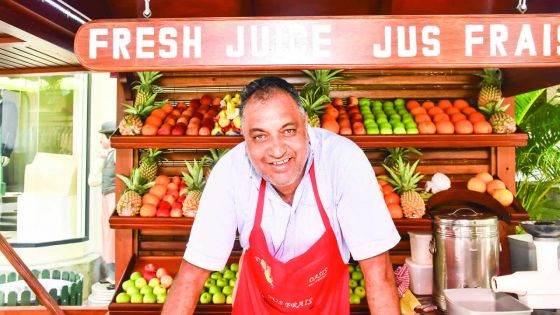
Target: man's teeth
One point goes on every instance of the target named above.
(281, 162)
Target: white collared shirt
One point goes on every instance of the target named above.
(347, 188)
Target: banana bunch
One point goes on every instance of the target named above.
(408, 303)
(228, 121)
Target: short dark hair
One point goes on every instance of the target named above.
(262, 88)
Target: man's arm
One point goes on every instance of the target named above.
(183, 295)
(380, 285)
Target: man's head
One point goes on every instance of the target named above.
(107, 129)
(274, 126)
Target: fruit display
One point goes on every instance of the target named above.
(408, 303)
(130, 202)
(405, 181)
(219, 286)
(132, 122)
(149, 286)
(486, 183)
(313, 104)
(228, 120)
(149, 164)
(500, 121)
(490, 86)
(195, 181)
(392, 199)
(388, 117)
(357, 283)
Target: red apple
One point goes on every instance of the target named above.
(177, 204)
(169, 198)
(148, 275)
(166, 281)
(176, 179)
(161, 272)
(163, 213)
(164, 131)
(181, 198)
(176, 213)
(173, 192)
(164, 205)
(149, 268)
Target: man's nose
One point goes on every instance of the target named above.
(277, 147)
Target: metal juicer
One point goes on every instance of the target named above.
(537, 289)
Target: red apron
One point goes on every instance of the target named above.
(316, 282)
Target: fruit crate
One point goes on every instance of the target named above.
(154, 223)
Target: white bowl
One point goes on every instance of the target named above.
(479, 301)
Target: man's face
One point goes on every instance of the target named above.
(276, 136)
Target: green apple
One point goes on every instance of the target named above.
(127, 284)
(372, 130)
(410, 125)
(216, 275)
(214, 289)
(351, 291)
(358, 268)
(412, 131)
(209, 282)
(159, 289)
(363, 283)
(140, 282)
(146, 289)
(364, 101)
(154, 282)
(205, 298)
(227, 290)
(354, 299)
(149, 298)
(386, 131)
(222, 282)
(351, 268)
(357, 275)
(353, 283)
(135, 275)
(360, 291)
(123, 297)
(234, 267)
(228, 274)
(399, 131)
(224, 270)
(136, 298)
(218, 298)
(232, 282)
(160, 298)
(398, 124)
(132, 290)
(229, 299)
(399, 102)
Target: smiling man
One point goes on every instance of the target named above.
(302, 200)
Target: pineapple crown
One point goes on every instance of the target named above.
(151, 155)
(491, 77)
(493, 107)
(143, 110)
(393, 154)
(403, 176)
(313, 102)
(194, 179)
(146, 82)
(215, 156)
(320, 79)
(136, 182)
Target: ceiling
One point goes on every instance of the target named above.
(34, 35)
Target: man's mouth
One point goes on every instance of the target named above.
(282, 162)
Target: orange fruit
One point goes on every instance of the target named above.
(387, 189)
(478, 116)
(422, 118)
(418, 110)
(346, 131)
(493, 185)
(504, 196)
(440, 117)
(392, 198)
(337, 101)
(476, 184)
(428, 104)
(452, 110)
(443, 104)
(463, 127)
(150, 198)
(153, 120)
(468, 110)
(148, 210)
(485, 177)
(426, 128)
(158, 113)
(167, 108)
(445, 127)
(331, 111)
(149, 130)
(158, 190)
(412, 104)
(460, 103)
(457, 117)
(162, 180)
(482, 127)
(434, 111)
(381, 182)
(395, 210)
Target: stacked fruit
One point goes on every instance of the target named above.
(344, 120)
(165, 198)
(404, 178)
(228, 120)
(218, 288)
(357, 283)
(392, 199)
(389, 117)
(150, 286)
(484, 182)
(448, 118)
(195, 119)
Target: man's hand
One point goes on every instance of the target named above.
(380, 285)
(4, 160)
(183, 295)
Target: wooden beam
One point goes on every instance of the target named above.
(521, 80)
(42, 70)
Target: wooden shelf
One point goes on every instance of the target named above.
(368, 141)
(117, 222)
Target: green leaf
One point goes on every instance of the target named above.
(524, 102)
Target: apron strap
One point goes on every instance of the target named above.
(322, 211)
(260, 204)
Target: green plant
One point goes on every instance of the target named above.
(321, 80)
(537, 163)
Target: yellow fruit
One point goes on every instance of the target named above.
(486, 177)
(476, 184)
(504, 196)
(408, 303)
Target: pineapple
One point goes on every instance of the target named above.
(490, 87)
(133, 120)
(313, 103)
(213, 158)
(149, 164)
(320, 80)
(501, 122)
(131, 200)
(393, 154)
(405, 181)
(146, 88)
(195, 182)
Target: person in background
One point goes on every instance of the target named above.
(303, 200)
(103, 173)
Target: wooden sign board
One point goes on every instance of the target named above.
(457, 41)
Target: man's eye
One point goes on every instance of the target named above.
(258, 137)
(290, 131)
